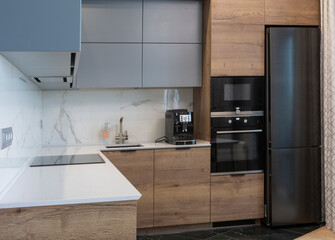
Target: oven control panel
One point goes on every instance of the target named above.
(237, 122)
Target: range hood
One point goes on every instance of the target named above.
(48, 70)
(43, 40)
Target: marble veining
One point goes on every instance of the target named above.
(21, 106)
(58, 126)
(78, 117)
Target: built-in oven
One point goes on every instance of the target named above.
(237, 142)
(237, 94)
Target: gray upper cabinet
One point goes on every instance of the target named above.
(112, 21)
(172, 21)
(135, 43)
(172, 65)
(110, 66)
(42, 39)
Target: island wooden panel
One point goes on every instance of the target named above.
(292, 12)
(238, 11)
(182, 186)
(137, 167)
(112, 220)
(237, 49)
(237, 197)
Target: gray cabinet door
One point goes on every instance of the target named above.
(174, 21)
(112, 21)
(110, 65)
(172, 65)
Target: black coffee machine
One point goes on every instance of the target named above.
(179, 127)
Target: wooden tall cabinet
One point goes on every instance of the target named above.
(237, 38)
(137, 167)
(296, 12)
(182, 186)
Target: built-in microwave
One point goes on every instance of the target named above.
(237, 94)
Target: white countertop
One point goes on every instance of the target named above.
(69, 184)
(161, 145)
(75, 184)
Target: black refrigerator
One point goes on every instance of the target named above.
(293, 164)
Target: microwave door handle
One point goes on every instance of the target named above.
(240, 131)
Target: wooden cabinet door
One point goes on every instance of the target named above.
(237, 34)
(237, 197)
(292, 12)
(182, 186)
(137, 167)
(237, 49)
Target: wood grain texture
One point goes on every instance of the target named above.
(137, 167)
(174, 229)
(292, 12)
(201, 96)
(319, 234)
(238, 11)
(112, 220)
(237, 49)
(237, 198)
(182, 186)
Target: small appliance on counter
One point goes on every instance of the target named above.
(179, 127)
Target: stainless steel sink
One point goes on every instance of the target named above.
(125, 145)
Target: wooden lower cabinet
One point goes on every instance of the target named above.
(109, 220)
(137, 167)
(237, 197)
(182, 186)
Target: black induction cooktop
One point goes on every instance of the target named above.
(66, 160)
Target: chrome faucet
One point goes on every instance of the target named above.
(119, 139)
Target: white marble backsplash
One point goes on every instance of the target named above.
(21, 109)
(78, 117)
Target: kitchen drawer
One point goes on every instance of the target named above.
(237, 197)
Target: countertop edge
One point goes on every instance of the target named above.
(69, 202)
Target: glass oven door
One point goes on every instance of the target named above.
(238, 151)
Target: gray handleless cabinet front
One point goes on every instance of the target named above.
(172, 65)
(172, 21)
(110, 65)
(112, 21)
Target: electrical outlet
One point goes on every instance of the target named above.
(6, 137)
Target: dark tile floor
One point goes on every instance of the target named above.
(244, 233)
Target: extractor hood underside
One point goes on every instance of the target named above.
(48, 70)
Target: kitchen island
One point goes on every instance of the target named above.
(89, 201)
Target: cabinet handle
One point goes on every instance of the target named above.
(237, 175)
(186, 148)
(132, 150)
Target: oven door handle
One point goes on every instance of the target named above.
(240, 131)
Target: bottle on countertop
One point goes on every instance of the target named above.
(106, 133)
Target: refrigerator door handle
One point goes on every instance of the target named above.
(239, 131)
(268, 85)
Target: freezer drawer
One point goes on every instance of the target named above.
(295, 186)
